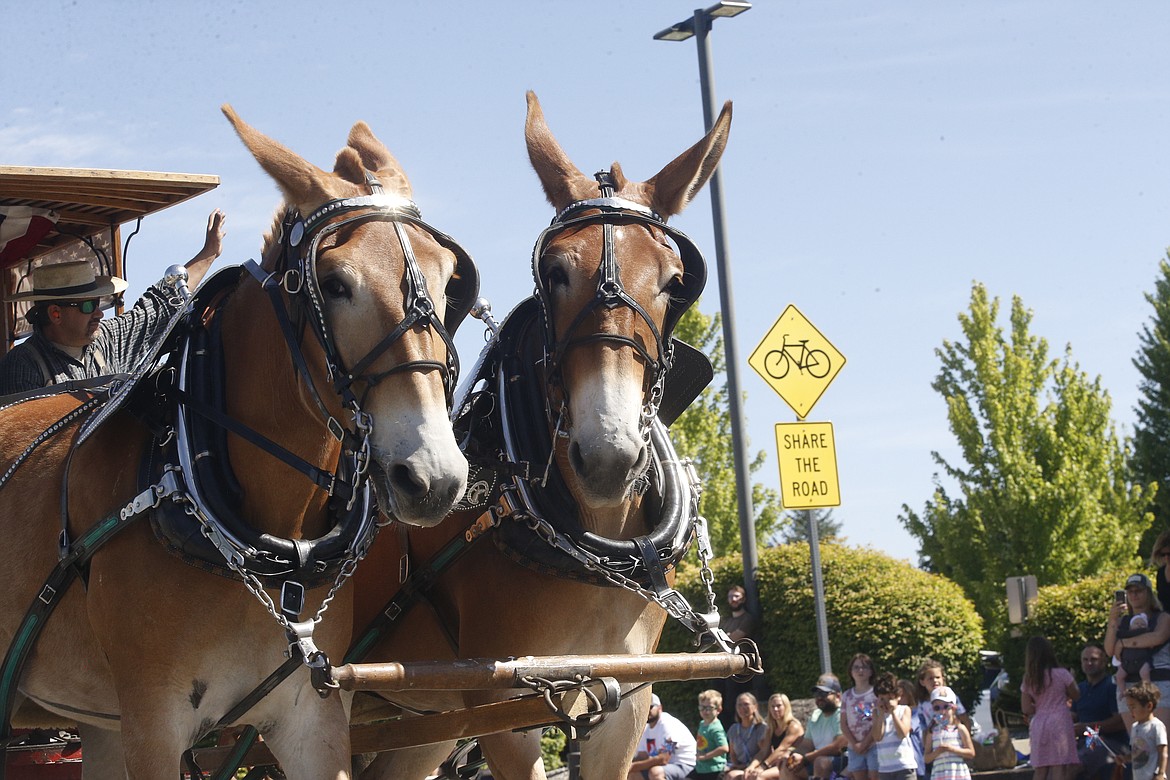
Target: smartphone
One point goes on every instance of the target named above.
(1119, 596)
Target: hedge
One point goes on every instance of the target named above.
(875, 604)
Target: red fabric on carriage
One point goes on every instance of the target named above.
(21, 228)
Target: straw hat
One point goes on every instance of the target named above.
(67, 282)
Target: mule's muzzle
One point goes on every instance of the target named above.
(606, 471)
(413, 495)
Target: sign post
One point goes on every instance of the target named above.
(799, 363)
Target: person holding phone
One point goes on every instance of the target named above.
(1124, 632)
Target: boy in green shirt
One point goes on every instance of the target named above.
(711, 748)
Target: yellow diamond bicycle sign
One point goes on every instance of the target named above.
(797, 361)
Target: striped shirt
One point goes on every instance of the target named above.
(894, 753)
(116, 349)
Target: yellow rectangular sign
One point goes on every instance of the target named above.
(808, 465)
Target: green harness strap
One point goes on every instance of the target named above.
(60, 578)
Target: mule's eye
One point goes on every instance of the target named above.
(674, 288)
(335, 288)
(555, 276)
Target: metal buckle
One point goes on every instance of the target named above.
(292, 281)
(47, 594)
(484, 523)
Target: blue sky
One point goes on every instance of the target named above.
(883, 156)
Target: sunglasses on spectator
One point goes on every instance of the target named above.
(85, 307)
(940, 707)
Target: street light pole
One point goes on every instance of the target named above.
(699, 26)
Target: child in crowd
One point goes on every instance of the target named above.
(1045, 693)
(744, 736)
(892, 722)
(909, 697)
(783, 733)
(931, 675)
(1147, 738)
(711, 741)
(857, 705)
(948, 743)
(1134, 660)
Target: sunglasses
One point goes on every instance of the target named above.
(85, 307)
(940, 707)
(1162, 553)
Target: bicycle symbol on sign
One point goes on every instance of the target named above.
(778, 362)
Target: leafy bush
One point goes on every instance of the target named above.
(552, 742)
(875, 604)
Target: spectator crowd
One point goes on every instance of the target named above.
(1107, 726)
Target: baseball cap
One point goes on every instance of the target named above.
(943, 693)
(827, 683)
(655, 701)
(1138, 579)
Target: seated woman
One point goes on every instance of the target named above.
(744, 735)
(782, 735)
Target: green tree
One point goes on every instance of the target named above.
(793, 528)
(703, 434)
(1151, 435)
(1045, 489)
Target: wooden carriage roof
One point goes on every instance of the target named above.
(90, 200)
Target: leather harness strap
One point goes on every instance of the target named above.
(51, 593)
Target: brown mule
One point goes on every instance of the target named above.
(150, 652)
(603, 370)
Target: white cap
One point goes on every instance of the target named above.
(943, 693)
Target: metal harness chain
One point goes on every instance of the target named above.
(673, 602)
(252, 582)
(300, 633)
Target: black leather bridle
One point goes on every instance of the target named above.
(300, 271)
(609, 211)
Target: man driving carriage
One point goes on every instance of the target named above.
(70, 339)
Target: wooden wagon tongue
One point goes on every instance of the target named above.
(591, 687)
(484, 673)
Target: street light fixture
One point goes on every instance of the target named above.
(698, 26)
(686, 29)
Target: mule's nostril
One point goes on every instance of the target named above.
(404, 479)
(576, 459)
(640, 464)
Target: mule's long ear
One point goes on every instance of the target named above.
(672, 188)
(302, 182)
(377, 158)
(556, 171)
